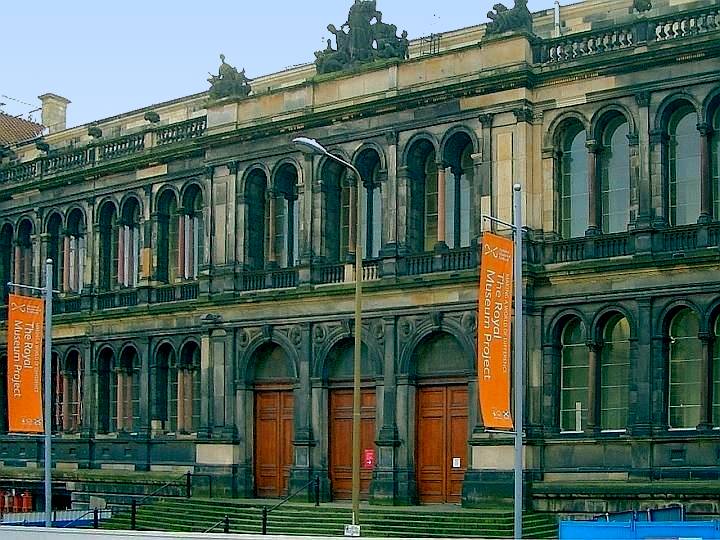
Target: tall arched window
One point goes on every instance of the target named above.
(685, 372)
(336, 212)
(129, 244)
(6, 257)
(684, 166)
(24, 253)
(615, 374)
(165, 395)
(422, 191)
(108, 249)
(368, 163)
(574, 375)
(167, 249)
(72, 393)
(193, 224)
(255, 227)
(615, 176)
(127, 391)
(715, 163)
(573, 183)
(188, 392)
(287, 217)
(107, 399)
(55, 248)
(458, 182)
(75, 252)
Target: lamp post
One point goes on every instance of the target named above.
(311, 146)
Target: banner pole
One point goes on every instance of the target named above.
(519, 349)
(47, 387)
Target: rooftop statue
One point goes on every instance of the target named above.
(363, 38)
(642, 5)
(504, 20)
(228, 82)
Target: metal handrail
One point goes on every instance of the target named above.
(266, 511)
(96, 517)
(224, 521)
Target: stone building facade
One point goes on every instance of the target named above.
(205, 319)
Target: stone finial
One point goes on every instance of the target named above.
(229, 82)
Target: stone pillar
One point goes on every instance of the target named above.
(120, 401)
(352, 226)
(441, 233)
(706, 190)
(706, 388)
(121, 253)
(406, 425)
(640, 366)
(66, 397)
(485, 177)
(385, 482)
(658, 186)
(66, 262)
(303, 440)
(390, 194)
(181, 254)
(206, 385)
(403, 211)
(594, 218)
(188, 396)
(305, 196)
(271, 255)
(643, 184)
(593, 396)
(551, 383)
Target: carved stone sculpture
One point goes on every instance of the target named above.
(363, 38)
(642, 5)
(228, 82)
(502, 19)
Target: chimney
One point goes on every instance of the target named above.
(54, 109)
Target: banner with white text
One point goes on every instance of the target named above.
(494, 322)
(25, 364)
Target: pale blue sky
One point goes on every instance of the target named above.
(110, 57)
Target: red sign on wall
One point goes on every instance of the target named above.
(368, 461)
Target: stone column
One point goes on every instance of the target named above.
(485, 176)
(643, 185)
(66, 396)
(404, 239)
(303, 440)
(640, 366)
(706, 191)
(658, 186)
(389, 192)
(181, 400)
(66, 262)
(593, 396)
(551, 383)
(181, 254)
(188, 397)
(121, 253)
(272, 201)
(706, 369)
(305, 195)
(120, 402)
(441, 238)
(634, 150)
(206, 385)
(594, 218)
(352, 226)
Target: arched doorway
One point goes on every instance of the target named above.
(274, 402)
(339, 371)
(441, 450)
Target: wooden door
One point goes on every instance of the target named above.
(341, 409)
(273, 441)
(441, 449)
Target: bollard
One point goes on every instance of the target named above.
(133, 515)
(188, 485)
(96, 519)
(317, 491)
(226, 524)
(264, 519)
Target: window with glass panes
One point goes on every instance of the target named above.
(715, 164)
(716, 376)
(614, 374)
(684, 167)
(345, 215)
(574, 372)
(685, 376)
(431, 202)
(573, 196)
(615, 177)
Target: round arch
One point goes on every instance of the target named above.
(559, 124)
(455, 132)
(672, 103)
(670, 309)
(605, 314)
(607, 114)
(246, 366)
(559, 321)
(370, 146)
(422, 137)
(426, 330)
(319, 367)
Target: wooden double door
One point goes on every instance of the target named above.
(273, 441)
(442, 442)
(340, 440)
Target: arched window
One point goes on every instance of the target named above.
(167, 249)
(574, 375)
(107, 399)
(684, 166)
(685, 374)
(423, 195)
(6, 257)
(74, 266)
(615, 374)
(187, 395)
(55, 248)
(715, 163)
(71, 412)
(287, 217)
(127, 391)
(368, 163)
(24, 253)
(129, 244)
(615, 176)
(108, 249)
(573, 183)
(458, 182)
(255, 227)
(193, 225)
(716, 376)
(336, 212)
(165, 395)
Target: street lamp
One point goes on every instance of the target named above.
(311, 146)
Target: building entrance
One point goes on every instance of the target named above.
(273, 441)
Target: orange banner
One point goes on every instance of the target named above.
(494, 318)
(24, 370)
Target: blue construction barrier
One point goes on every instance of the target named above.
(639, 530)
